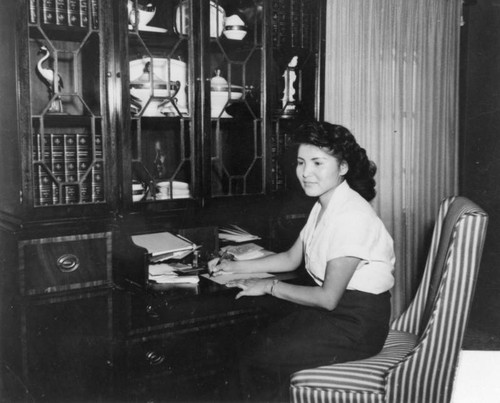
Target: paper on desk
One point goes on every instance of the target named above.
(164, 243)
(163, 273)
(234, 233)
(246, 251)
(223, 279)
(160, 269)
(174, 279)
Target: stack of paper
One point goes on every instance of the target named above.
(163, 273)
(246, 251)
(236, 234)
(226, 278)
(164, 245)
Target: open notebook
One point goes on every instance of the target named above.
(164, 245)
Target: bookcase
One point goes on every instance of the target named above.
(146, 118)
(133, 116)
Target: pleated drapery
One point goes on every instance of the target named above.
(392, 79)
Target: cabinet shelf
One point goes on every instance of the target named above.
(59, 32)
(61, 121)
(154, 40)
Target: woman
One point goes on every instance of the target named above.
(344, 313)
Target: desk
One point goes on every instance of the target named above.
(112, 344)
(176, 343)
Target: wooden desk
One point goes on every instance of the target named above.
(117, 345)
(177, 343)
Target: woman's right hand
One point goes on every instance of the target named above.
(224, 267)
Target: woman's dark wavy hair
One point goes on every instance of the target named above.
(339, 142)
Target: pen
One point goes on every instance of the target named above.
(225, 255)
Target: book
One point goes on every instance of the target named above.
(98, 150)
(73, 13)
(94, 9)
(37, 168)
(84, 13)
(61, 12)
(236, 234)
(44, 178)
(68, 152)
(48, 11)
(33, 12)
(83, 165)
(246, 251)
(163, 244)
(82, 153)
(97, 182)
(295, 24)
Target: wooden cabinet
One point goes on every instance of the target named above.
(203, 100)
(116, 112)
(128, 108)
(194, 110)
(63, 350)
(64, 263)
(179, 343)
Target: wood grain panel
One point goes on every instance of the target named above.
(64, 263)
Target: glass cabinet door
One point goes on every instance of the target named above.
(175, 55)
(236, 60)
(64, 83)
(160, 93)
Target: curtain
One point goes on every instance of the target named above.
(392, 79)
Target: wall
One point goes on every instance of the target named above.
(480, 147)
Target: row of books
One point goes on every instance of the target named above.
(292, 23)
(68, 168)
(277, 149)
(71, 13)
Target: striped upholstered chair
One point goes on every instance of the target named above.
(418, 361)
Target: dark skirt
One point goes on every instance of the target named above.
(310, 337)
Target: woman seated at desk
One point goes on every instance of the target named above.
(344, 314)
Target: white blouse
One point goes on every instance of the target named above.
(349, 227)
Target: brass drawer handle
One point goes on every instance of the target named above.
(68, 263)
(151, 312)
(154, 358)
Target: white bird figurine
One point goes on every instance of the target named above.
(48, 76)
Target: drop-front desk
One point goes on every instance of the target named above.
(125, 341)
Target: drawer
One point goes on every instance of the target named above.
(64, 263)
(185, 354)
(67, 346)
(156, 312)
(171, 369)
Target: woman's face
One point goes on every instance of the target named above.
(319, 173)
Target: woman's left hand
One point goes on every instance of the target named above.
(251, 287)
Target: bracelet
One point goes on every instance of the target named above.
(275, 281)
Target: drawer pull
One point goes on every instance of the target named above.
(154, 358)
(151, 312)
(68, 263)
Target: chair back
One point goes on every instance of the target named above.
(438, 314)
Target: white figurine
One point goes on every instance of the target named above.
(53, 86)
(288, 100)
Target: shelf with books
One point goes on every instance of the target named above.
(68, 166)
(65, 13)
